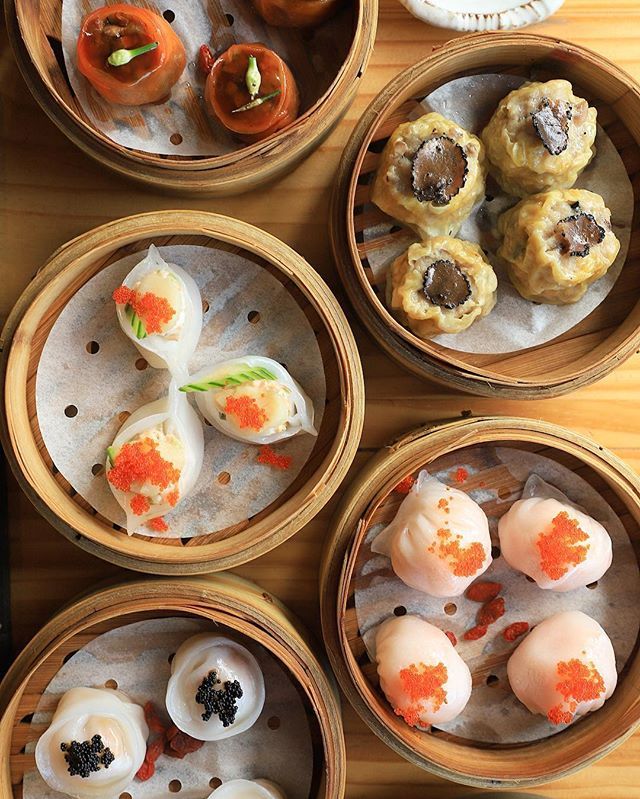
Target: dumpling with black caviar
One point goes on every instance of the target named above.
(540, 137)
(441, 285)
(430, 176)
(556, 244)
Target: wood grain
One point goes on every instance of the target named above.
(51, 192)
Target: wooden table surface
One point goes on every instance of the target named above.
(51, 192)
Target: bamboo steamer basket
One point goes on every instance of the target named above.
(24, 337)
(223, 599)
(463, 760)
(35, 31)
(582, 355)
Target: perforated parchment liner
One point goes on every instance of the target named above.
(278, 747)
(514, 323)
(232, 486)
(496, 479)
(182, 126)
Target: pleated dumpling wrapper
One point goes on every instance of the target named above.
(160, 309)
(557, 545)
(247, 789)
(216, 688)
(423, 677)
(439, 540)
(95, 744)
(564, 668)
(252, 399)
(155, 460)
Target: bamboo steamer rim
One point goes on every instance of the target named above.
(232, 173)
(86, 531)
(346, 531)
(398, 342)
(224, 598)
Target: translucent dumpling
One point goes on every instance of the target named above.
(560, 547)
(95, 744)
(564, 668)
(252, 399)
(216, 688)
(159, 308)
(423, 677)
(248, 789)
(155, 459)
(439, 541)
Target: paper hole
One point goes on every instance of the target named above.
(184, 541)
(450, 608)
(593, 585)
(224, 478)
(253, 317)
(69, 655)
(125, 795)
(70, 411)
(175, 786)
(215, 782)
(141, 364)
(112, 684)
(273, 723)
(27, 719)
(205, 306)
(123, 416)
(92, 347)
(400, 611)
(169, 15)
(492, 680)
(230, 19)
(495, 552)
(97, 469)
(529, 579)
(175, 138)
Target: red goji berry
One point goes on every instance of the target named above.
(153, 719)
(452, 637)
(146, 771)
(205, 59)
(483, 592)
(182, 744)
(476, 632)
(461, 474)
(405, 485)
(491, 612)
(515, 630)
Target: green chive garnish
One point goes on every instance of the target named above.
(253, 78)
(121, 57)
(236, 379)
(255, 103)
(111, 454)
(136, 323)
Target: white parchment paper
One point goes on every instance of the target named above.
(493, 714)
(514, 323)
(136, 658)
(103, 385)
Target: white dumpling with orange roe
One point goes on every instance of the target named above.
(160, 309)
(422, 676)
(554, 543)
(439, 540)
(252, 399)
(564, 668)
(247, 789)
(155, 460)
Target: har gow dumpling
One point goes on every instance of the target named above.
(560, 547)
(95, 744)
(564, 668)
(160, 309)
(439, 540)
(155, 459)
(248, 789)
(422, 676)
(216, 688)
(252, 399)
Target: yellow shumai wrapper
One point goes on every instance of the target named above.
(531, 246)
(392, 190)
(518, 157)
(405, 282)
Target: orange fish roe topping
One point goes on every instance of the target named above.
(466, 561)
(247, 411)
(154, 311)
(421, 682)
(270, 458)
(443, 504)
(461, 474)
(410, 714)
(140, 462)
(173, 497)
(159, 525)
(579, 682)
(559, 548)
(405, 485)
(139, 504)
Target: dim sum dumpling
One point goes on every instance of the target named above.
(252, 399)
(248, 789)
(439, 540)
(557, 244)
(540, 137)
(441, 286)
(155, 459)
(431, 174)
(564, 668)
(560, 547)
(423, 677)
(160, 309)
(95, 744)
(216, 688)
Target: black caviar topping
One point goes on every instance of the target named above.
(439, 170)
(578, 233)
(219, 702)
(86, 757)
(551, 124)
(446, 285)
